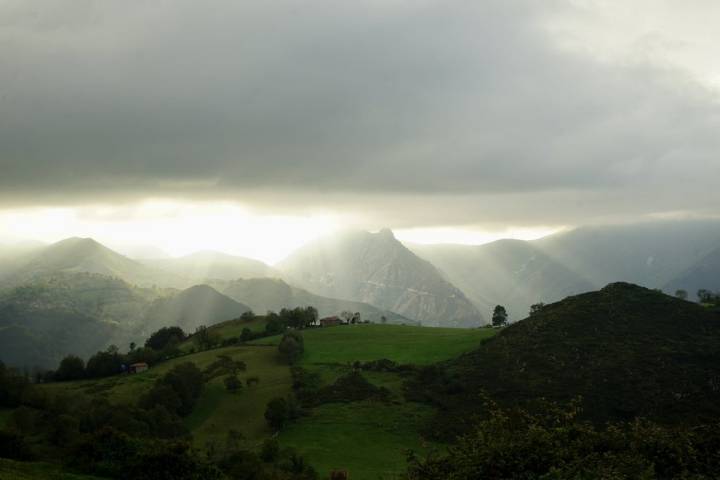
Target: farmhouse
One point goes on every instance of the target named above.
(138, 367)
(330, 321)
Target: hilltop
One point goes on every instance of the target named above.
(190, 308)
(74, 255)
(626, 350)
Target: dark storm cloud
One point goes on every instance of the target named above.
(462, 109)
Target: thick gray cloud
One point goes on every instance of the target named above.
(418, 112)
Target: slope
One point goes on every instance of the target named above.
(377, 269)
(264, 294)
(191, 308)
(512, 273)
(86, 255)
(705, 274)
(213, 265)
(626, 350)
(649, 254)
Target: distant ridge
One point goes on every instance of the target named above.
(376, 268)
(213, 265)
(263, 294)
(77, 254)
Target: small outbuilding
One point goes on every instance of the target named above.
(330, 321)
(138, 367)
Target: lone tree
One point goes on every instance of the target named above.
(535, 308)
(276, 413)
(681, 294)
(71, 368)
(499, 318)
(292, 346)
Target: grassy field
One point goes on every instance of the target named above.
(402, 344)
(369, 439)
(11, 470)
(217, 411)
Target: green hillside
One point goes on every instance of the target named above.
(627, 351)
(399, 343)
(367, 438)
(370, 438)
(81, 313)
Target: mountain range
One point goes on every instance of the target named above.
(274, 294)
(376, 268)
(47, 292)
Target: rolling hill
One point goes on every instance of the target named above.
(81, 313)
(379, 270)
(627, 351)
(75, 255)
(191, 308)
(263, 294)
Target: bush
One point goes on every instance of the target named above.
(276, 413)
(292, 346)
(555, 445)
(270, 450)
(177, 390)
(232, 383)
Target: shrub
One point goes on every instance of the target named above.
(292, 346)
(232, 383)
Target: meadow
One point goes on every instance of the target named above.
(369, 439)
(400, 343)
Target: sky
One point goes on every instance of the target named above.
(253, 127)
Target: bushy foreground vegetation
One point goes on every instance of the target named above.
(554, 444)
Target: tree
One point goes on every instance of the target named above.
(232, 383)
(681, 294)
(165, 337)
(71, 368)
(704, 295)
(132, 346)
(104, 364)
(276, 413)
(246, 335)
(248, 316)
(536, 308)
(292, 346)
(499, 317)
(204, 338)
